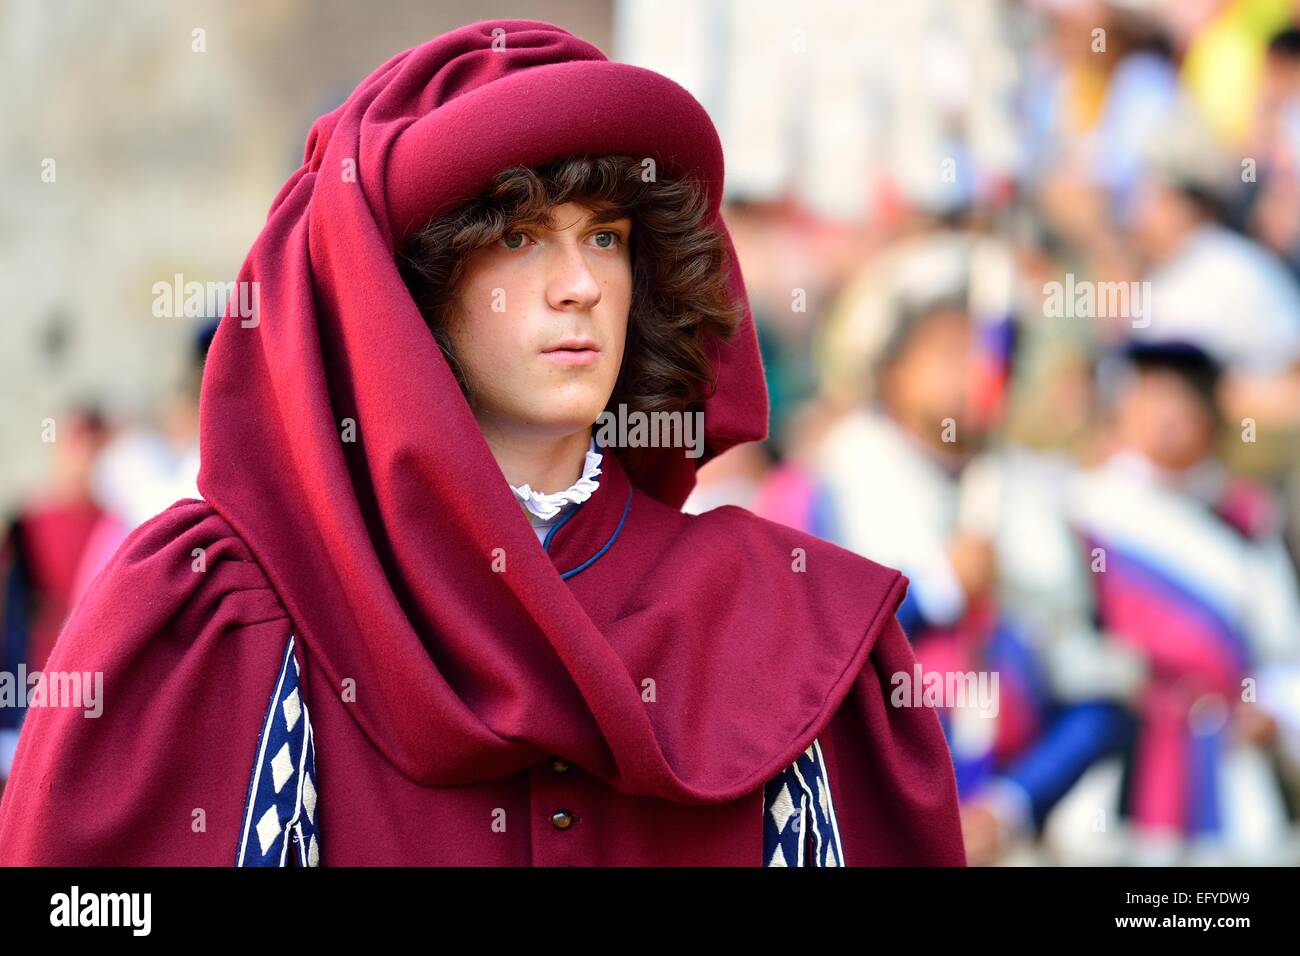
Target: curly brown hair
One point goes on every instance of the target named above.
(680, 292)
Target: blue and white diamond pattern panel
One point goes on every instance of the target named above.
(799, 825)
(279, 826)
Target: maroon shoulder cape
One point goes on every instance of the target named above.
(677, 662)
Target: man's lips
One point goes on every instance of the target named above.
(573, 352)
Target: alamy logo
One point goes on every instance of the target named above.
(195, 300)
(83, 689)
(1082, 299)
(973, 690)
(625, 429)
(102, 909)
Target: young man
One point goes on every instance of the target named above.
(354, 650)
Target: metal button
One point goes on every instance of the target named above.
(561, 819)
(559, 764)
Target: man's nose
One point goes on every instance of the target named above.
(571, 284)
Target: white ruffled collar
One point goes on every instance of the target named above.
(547, 506)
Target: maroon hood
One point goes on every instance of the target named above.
(383, 548)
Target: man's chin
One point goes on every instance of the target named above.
(561, 424)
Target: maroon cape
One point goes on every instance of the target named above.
(676, 663)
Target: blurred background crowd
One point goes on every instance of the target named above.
(1026, 277)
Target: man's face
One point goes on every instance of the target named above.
(1161, 218)
(1162, 418)
(540, 321)
(930, 380)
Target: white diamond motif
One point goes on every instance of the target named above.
(292, 708)
(309, 798)
(281, 768)
(268, 828)
(782, 808)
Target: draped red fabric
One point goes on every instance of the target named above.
(340, 460)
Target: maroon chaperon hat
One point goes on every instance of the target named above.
(570, 108)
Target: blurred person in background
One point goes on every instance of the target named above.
(1089, 103)
(146, 468)
(1210, 285)
(1271, 209)
(143, 469)
(1221, 291)
(42, 551)
(895, 477)
(1191, 577)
